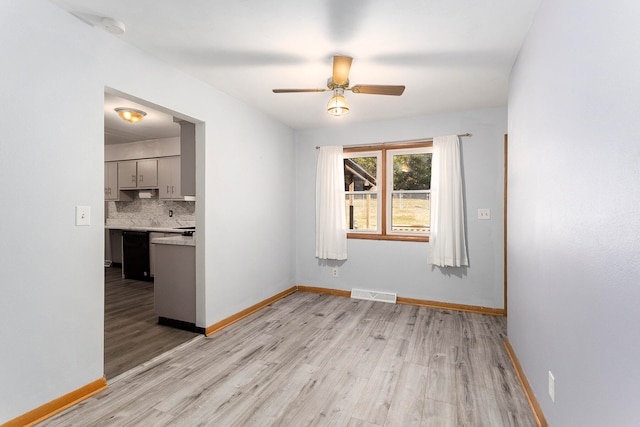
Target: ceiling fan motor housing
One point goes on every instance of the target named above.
(333, 85)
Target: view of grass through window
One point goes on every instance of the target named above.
(408, 194)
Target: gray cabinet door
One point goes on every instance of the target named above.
(111, 181)
(115, 240)
(148, 173)
(169, 178)
(127, 175)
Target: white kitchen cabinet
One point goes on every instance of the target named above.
(137, 174)
(111, 181)
(169, 178)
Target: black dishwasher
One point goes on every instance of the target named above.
(135, 255)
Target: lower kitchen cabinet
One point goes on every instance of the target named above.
(152, 249)
(114, 245)
(175, 285)
(113, 249)
(107, 248)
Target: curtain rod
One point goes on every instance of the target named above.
(406, 141)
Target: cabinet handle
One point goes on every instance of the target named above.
(133, 178)
(141, 178)
(167, 189)
(172, 189)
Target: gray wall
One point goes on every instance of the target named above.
(55, 70)
(402, 267)
(574, 209)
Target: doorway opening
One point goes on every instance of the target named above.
(136, 204)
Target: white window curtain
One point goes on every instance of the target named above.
(331, 225)
(447, 247)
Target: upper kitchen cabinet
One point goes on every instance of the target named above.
(128, 174)
(137, 174)
(111, 181)
(169, 178)
(148, 173)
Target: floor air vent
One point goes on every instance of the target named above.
(374, 295)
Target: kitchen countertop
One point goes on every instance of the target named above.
(143, 228)
(175, 240)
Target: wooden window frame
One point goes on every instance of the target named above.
(383, 234)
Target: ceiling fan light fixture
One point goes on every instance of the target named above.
(338, 105)
(130, 115)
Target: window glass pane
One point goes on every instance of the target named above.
(412, 171)
(360, 174)
(361, 185)
(410, 211)
(362, 211)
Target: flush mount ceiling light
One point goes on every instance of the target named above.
(130, 115)
(338, 105)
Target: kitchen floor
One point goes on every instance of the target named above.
(131, 332)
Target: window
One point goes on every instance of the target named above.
(361, 177)
(387, 191)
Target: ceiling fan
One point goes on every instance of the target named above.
(339, 82)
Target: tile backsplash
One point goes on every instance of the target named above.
(150, 213)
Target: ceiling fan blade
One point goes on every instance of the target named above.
(378, 89)
(298, 90)
(341, 67)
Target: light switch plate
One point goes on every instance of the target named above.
(83, 215)
(484, 213)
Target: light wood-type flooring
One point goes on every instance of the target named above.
(131, 331)
(313, 359)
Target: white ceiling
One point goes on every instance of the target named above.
(155, 125)
(451, 55)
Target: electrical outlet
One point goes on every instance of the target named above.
(552, 387)
(484, 213)
(83, 215)
(334, 272)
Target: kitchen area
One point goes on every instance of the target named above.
(164, 256)
(150, 234)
